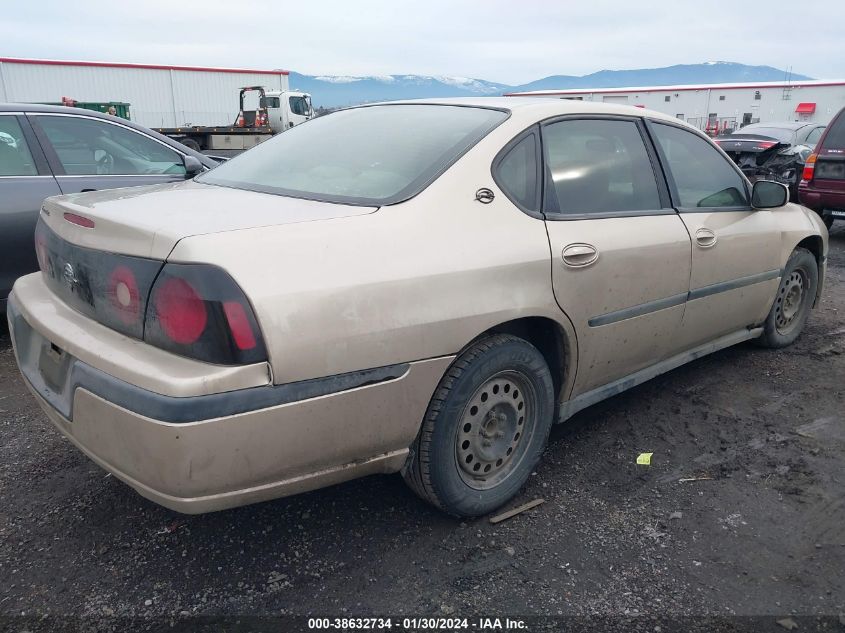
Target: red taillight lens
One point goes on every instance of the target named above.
(809, 168)
(124, 296)
(180, 311)
(198, 310)
(239, 325)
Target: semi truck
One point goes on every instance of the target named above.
(276, 111)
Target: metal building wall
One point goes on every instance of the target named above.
(159, 97)
(695, 105)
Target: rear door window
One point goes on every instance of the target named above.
(703, 177)
(87, 147)
(597, 166)
(15, 157)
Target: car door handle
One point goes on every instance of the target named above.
(705, 238)
(579, 255)
(86, 190)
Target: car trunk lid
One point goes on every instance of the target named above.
(149, 221)
(735, 144)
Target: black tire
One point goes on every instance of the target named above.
(828, 221)
(794, 299)
(190, 144)
(491, 412)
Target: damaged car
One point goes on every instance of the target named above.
(773, 151)
(419, 287)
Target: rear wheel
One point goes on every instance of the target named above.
(190, 144)
(485, 427)
(793, 301)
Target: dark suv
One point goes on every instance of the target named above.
(822, 186)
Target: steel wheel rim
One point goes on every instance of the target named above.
(790, 300)
(495, 430)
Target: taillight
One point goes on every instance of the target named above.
(124, 296)
(111, 289)
(180, 311)
(809, 168)
(197, 310)
(239, 325)
(41, 251)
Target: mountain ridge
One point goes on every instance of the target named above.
(345, 90)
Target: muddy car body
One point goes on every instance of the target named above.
(420, 287)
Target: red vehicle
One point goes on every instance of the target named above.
(822, 186)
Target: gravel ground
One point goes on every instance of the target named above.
(761, 533)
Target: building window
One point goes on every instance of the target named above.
(721, 97)
(679, 116)
(757, 96)
(667, 98)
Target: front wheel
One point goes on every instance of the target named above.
(793, 301)
(485, 427)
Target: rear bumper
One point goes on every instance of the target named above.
(215, 461)
(820, 199)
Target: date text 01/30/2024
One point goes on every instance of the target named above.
(418, 624)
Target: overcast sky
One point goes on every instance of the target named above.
(513, 41)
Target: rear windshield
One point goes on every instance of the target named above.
(783, 135)
(835, 138)
(369, 155)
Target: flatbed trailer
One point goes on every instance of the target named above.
(277, 111)
(223, 137)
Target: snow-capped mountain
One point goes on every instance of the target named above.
(705, 73)
(344, 90)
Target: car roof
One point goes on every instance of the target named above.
(51, 109)
(37, 107)
(541, 107)
(786, 125)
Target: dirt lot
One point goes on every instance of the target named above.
(764, 534)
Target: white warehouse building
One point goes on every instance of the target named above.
(718, 107)
(159, 96)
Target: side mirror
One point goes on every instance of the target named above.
(767, 194)
(193, 166)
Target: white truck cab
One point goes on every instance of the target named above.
(286, 108)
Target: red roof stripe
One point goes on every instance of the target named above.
(64, 62)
